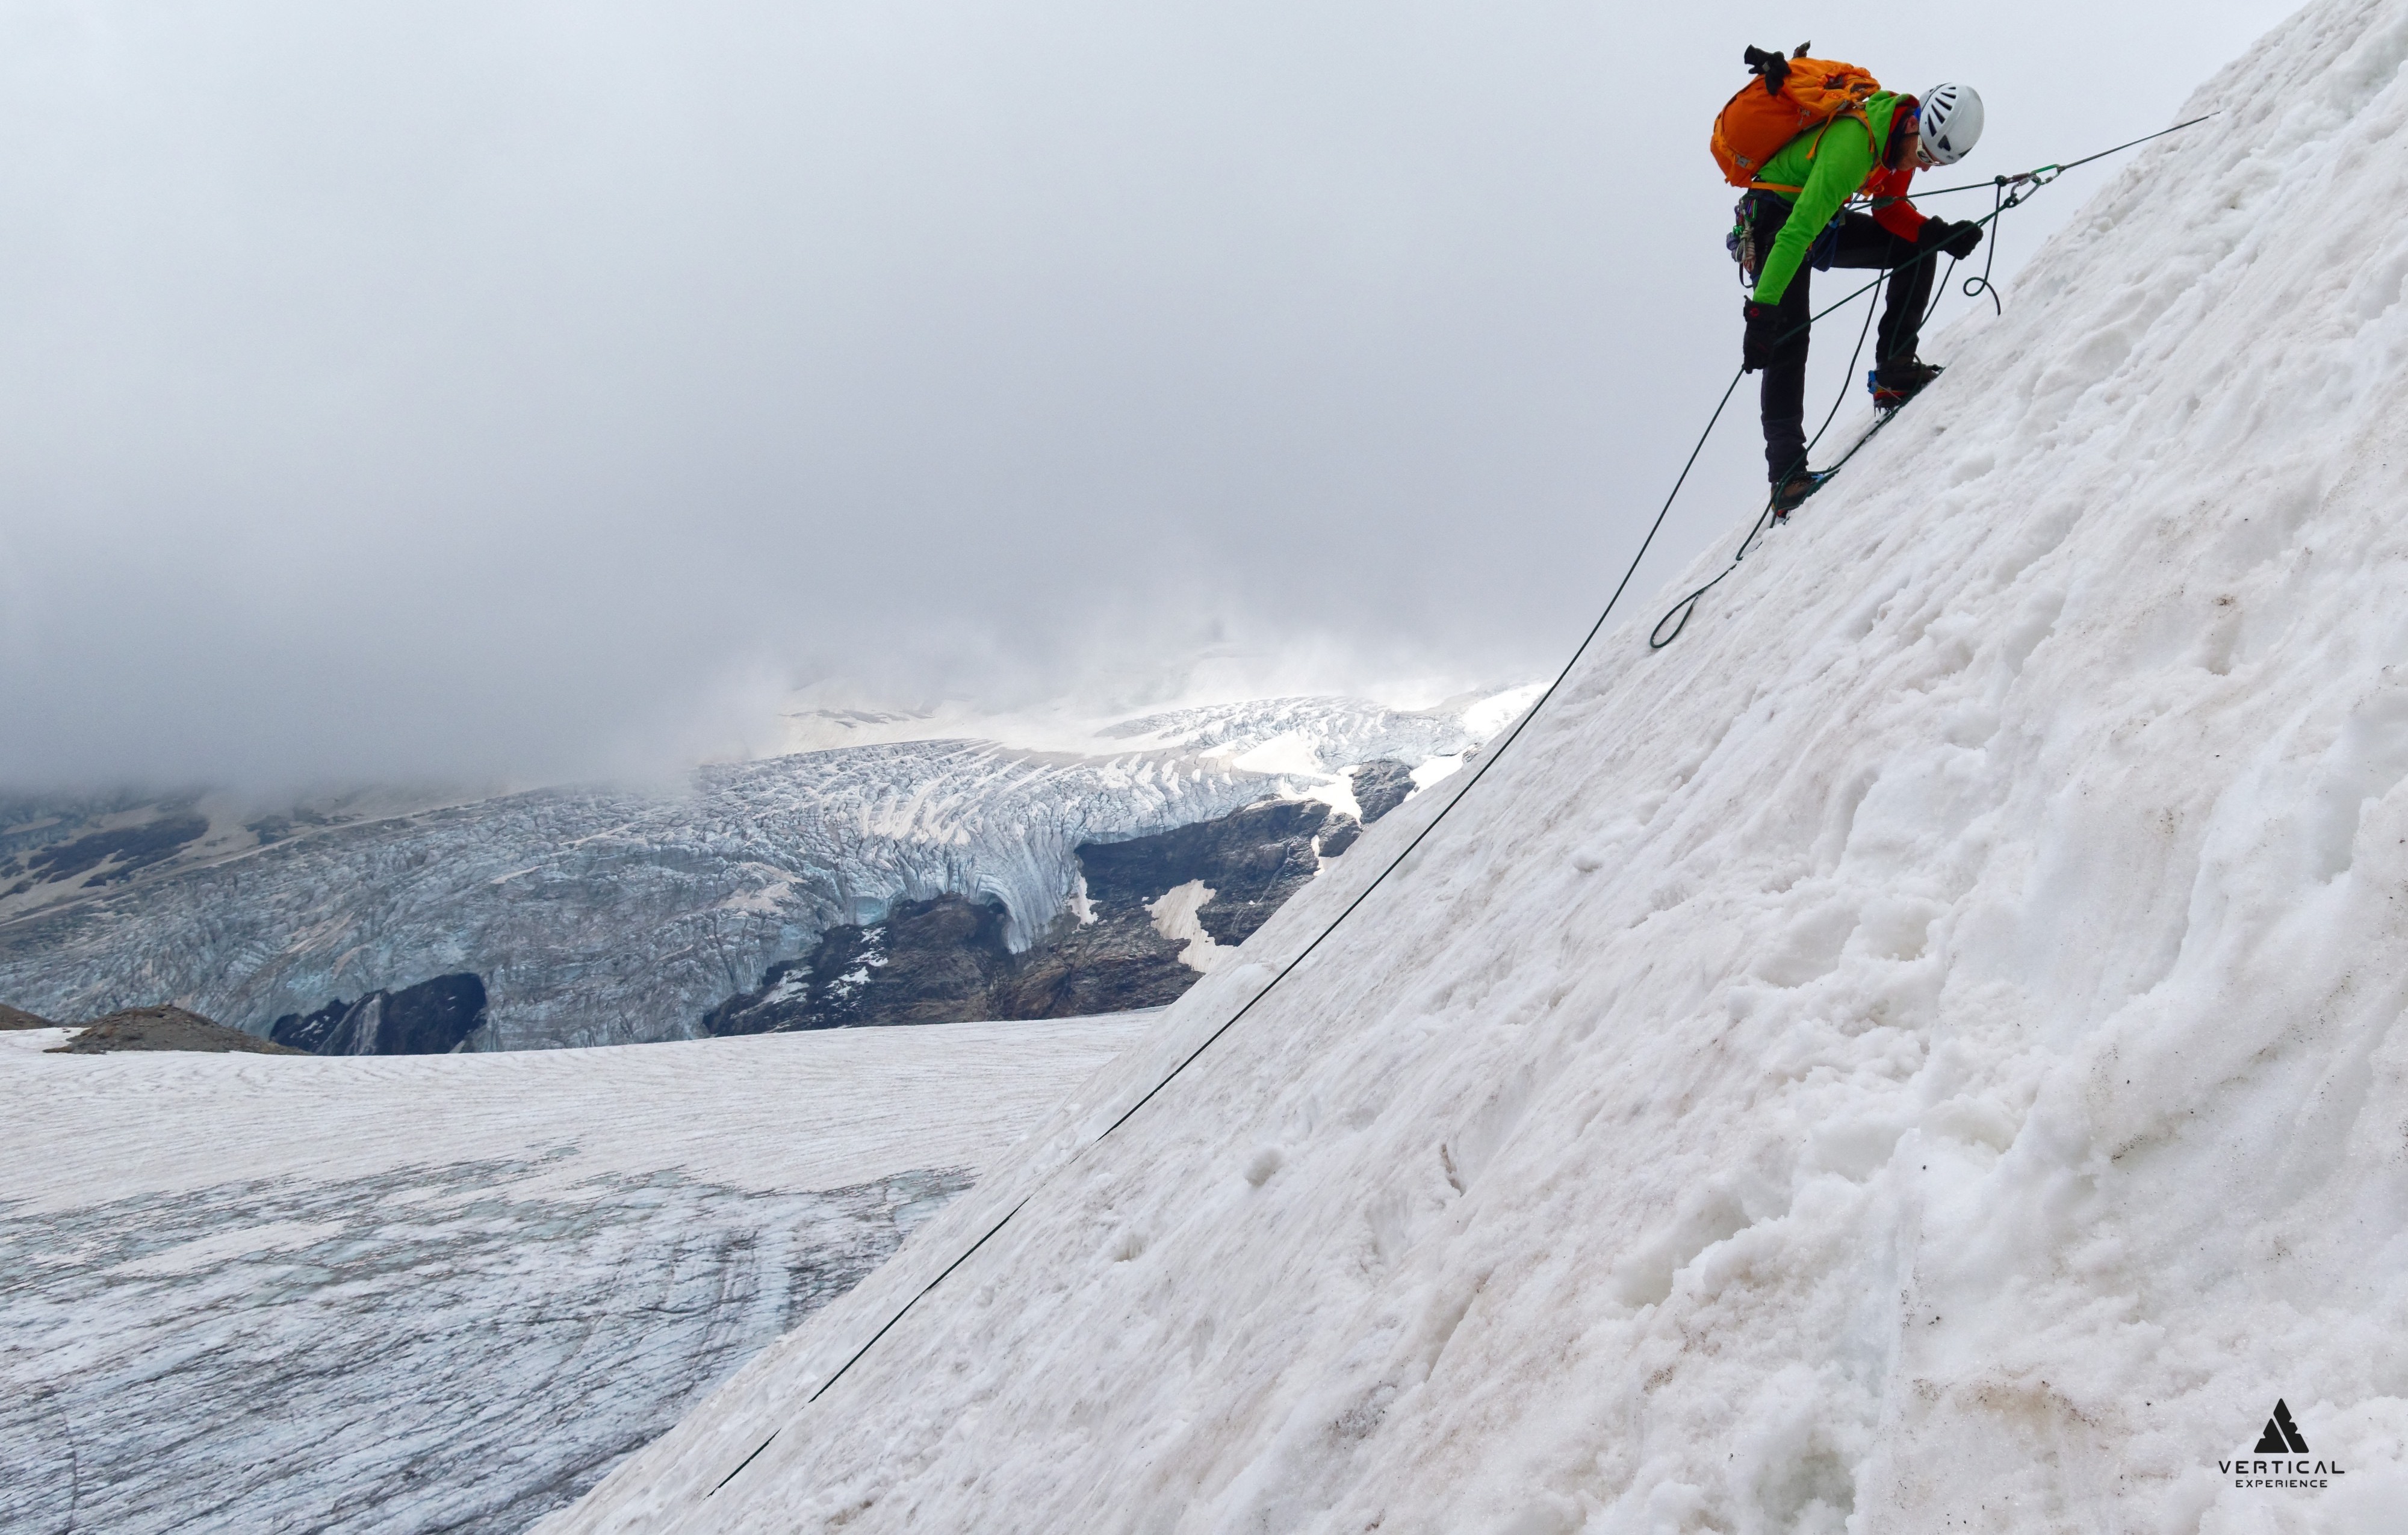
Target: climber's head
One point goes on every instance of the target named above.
(1949, 125)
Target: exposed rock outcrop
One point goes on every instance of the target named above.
(929, 962)
(19, 1018)
(1151, 916)
(432, 1018)
(1252, 860)
(1381, 787)
(125, 850)
(164, 1029)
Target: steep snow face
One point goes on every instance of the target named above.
(1923, 1053)
(445, 1293)
(598, 917)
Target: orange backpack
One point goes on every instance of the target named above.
(1790, 96)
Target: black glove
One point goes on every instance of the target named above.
(1955, 239)
(1763, 330)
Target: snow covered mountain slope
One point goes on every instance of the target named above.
(1923, 1053)
(603, 917)
(1336, 731)
(261, 1293)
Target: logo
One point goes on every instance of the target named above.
(2282, 1436)
(2294, 1466)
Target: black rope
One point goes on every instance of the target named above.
(2045, 174)
(1488, 759)
(1938, 292)
(746, 1462)
(873, 1341)
(1656, 638)
(1981, 287)
(1847, 382)
(1678, 615)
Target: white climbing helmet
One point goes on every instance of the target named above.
(1951, 124)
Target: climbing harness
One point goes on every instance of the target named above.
(1749, 253)
(1487, 759)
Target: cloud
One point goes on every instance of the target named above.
(523, 389)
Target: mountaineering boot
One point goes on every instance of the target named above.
(1791, 494)
(1893, 385)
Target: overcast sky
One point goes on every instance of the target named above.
(394, 391)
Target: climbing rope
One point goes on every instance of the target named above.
(2045, 174)
(2027, 182)
(2008, 192)
(1488, 759)
(1656, 638)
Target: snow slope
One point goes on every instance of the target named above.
(600, 916)
(1923, 1053)
(261, 1293)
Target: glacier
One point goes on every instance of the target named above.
(605, 916)
(1924, 1051)
(446, 1292)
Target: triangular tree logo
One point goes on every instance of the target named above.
(2282, 1436)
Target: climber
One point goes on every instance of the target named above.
(1794, 217)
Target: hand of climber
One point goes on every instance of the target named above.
(1763, 330)
(1955, 239)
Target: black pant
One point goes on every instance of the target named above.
(1856, 242)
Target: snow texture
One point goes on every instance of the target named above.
(1924, 1053)
(604, 917)
(445, 1292)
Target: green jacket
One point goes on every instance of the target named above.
(1830, 164)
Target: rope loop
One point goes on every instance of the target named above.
(1656, 638)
